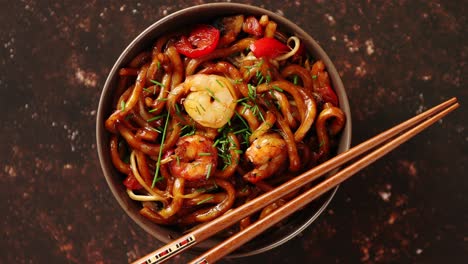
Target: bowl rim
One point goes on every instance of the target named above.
(338, 86)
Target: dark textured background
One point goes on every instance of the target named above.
(396, 58)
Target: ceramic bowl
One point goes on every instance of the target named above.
(198, 14)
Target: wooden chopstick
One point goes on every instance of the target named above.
(229, 218)
(300, 201)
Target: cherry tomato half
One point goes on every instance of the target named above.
(268, 47)
(202, 40)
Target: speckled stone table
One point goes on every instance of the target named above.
(396, 58)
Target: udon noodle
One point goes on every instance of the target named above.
(212, 117)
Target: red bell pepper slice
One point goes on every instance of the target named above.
(268, 48)
(132, 183)
(202, 40)
(328, 95)
(301, 53)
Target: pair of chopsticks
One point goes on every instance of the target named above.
(388, 140)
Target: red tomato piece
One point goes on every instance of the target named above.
(202, 40)
(252, 26)
(268, 47)
(328, 95)
(132, 183)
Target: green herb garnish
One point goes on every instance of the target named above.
(158, 179)
(209, 171)
(240, 131)
(155, 129)
(205, 200)
(322, 142)
(295, 79)
(277, 88)
(201, 190)
(242, 100)
(252, 91)
(178, 113)
(149, 91)
(156, 117)
(158, 163)
(210, 92)
(256, 111)
(242, 119)
(260, 80)
(244, 189)
(187, 130)
(204, 110)
(157, 83)
(216, 142)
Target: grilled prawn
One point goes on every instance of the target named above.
(267, 153)
(195, 158)
(211, 101)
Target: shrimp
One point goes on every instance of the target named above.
(267, 153)
(211, 101)
(195, 158)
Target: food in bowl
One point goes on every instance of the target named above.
(212, 116)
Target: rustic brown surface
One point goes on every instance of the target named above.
(396, 58)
